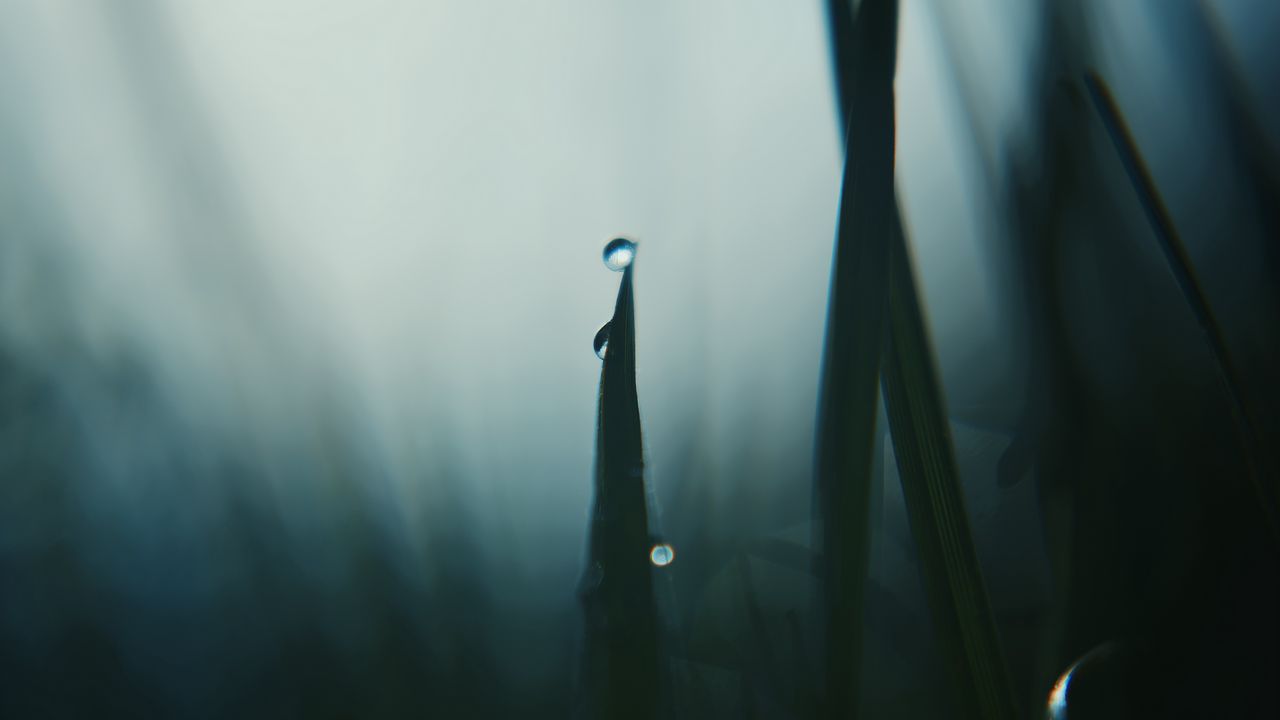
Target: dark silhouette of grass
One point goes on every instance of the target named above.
(1248, 139)
(620, 675)
(872, 277)
(280, 639)
(851, 364)
(1116, 494)
(1260, 475)
(962, 618)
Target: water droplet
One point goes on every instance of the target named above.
(601, 342)
(1057, 709)
(662, 555)
(619, 253)
(1057, 706)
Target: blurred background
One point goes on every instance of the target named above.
(297, 395)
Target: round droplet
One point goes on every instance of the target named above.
(662, 555)
(601, 342)
(619, 253)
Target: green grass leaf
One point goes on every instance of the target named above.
(962, 619)
(846, 416)
(621, 672)
(1261, 474)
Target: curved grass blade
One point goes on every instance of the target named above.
(851, 364)
(621, 672)
(1261, 475)
(962, 617)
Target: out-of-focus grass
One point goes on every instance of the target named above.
(1261, 474)
(1130, 445)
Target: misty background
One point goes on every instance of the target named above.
(297, 395)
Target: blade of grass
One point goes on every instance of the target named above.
(851, 364)
(1183, 271)
(621, 656)
(840, 26)
(962, 618)
(921, 436)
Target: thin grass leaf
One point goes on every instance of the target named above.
(920, 432)
(621, 671)
(962, 619)
(851, 364)
(1261, 475)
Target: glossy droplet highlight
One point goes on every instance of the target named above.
(619, 253)
(1056, 708)
(662, 555)
(601, 342)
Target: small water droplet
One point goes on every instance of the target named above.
(601, 343)
(619, 253)
(662, 555)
